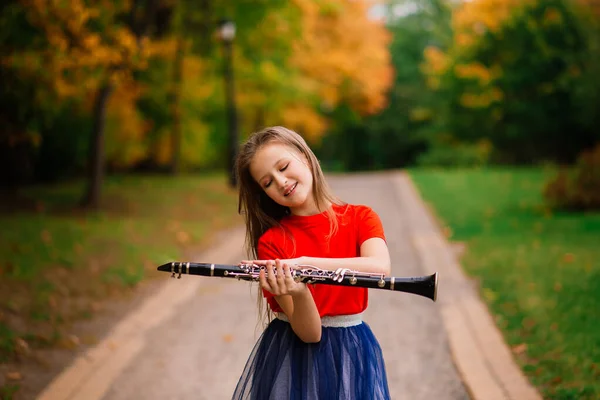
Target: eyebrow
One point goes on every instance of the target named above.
(277, 162)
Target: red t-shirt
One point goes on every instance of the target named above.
(356, 223)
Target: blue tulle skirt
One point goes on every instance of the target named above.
(346, 364)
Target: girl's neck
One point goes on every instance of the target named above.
(310, 209)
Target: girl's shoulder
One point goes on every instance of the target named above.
(353, 210)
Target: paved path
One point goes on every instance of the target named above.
(200, 352)
(191, 340)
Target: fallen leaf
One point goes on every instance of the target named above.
(520, 348)
(75, 340)
(14, 376)
(447, 231)
(21, 346)
(183, 237)
(568, 257)
(557, 286)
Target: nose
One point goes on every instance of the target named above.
(281, 180)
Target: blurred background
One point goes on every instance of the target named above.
(120, 119)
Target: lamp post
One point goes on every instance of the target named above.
(227, 35)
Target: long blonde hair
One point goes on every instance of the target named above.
(259, 210)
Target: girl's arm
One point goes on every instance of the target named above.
(295, 300)
(374, 258)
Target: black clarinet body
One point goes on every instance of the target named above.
(425, 286)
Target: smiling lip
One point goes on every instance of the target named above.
(290, 190)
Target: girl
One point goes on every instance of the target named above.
(317, 346)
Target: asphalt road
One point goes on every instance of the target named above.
(199, 351)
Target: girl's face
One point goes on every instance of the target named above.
(285, 176)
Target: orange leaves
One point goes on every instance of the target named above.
(475, 17)
(310, 56)
(345, 52)
(304, 119)
(125, 128)
(82, 43)
(435, 65)
(474, 71)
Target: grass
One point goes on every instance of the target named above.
(57, 263)
(538, 270)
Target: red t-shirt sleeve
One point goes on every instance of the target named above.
(369, 224)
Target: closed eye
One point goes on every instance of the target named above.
(285, 167)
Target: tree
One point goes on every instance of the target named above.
(511, 72)
(395, 136)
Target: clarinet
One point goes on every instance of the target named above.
(425, 286)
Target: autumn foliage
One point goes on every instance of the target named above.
(293, 62)
(514, 72)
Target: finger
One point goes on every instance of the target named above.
(280, 276)
(271, 276)
(287, 271)
(263, 281)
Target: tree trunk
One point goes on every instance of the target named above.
(91, 199)
(176, 134)
(139, 27)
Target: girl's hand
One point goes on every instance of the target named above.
(292, 262)
(277, 278)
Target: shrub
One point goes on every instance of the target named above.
(577, 188)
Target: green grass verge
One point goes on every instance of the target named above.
(539, 271)
(57, 262)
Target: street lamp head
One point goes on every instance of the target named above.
(226, 30)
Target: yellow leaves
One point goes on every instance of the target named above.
(125, 39)
(475, 17)
(125, 129)
(82, 45)
(343, 45)
(196, 148)
(304, 119)
(482, 99)
(159, 48)
(436, 64)
(465, 40)
(91, 42)
(475, 71)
